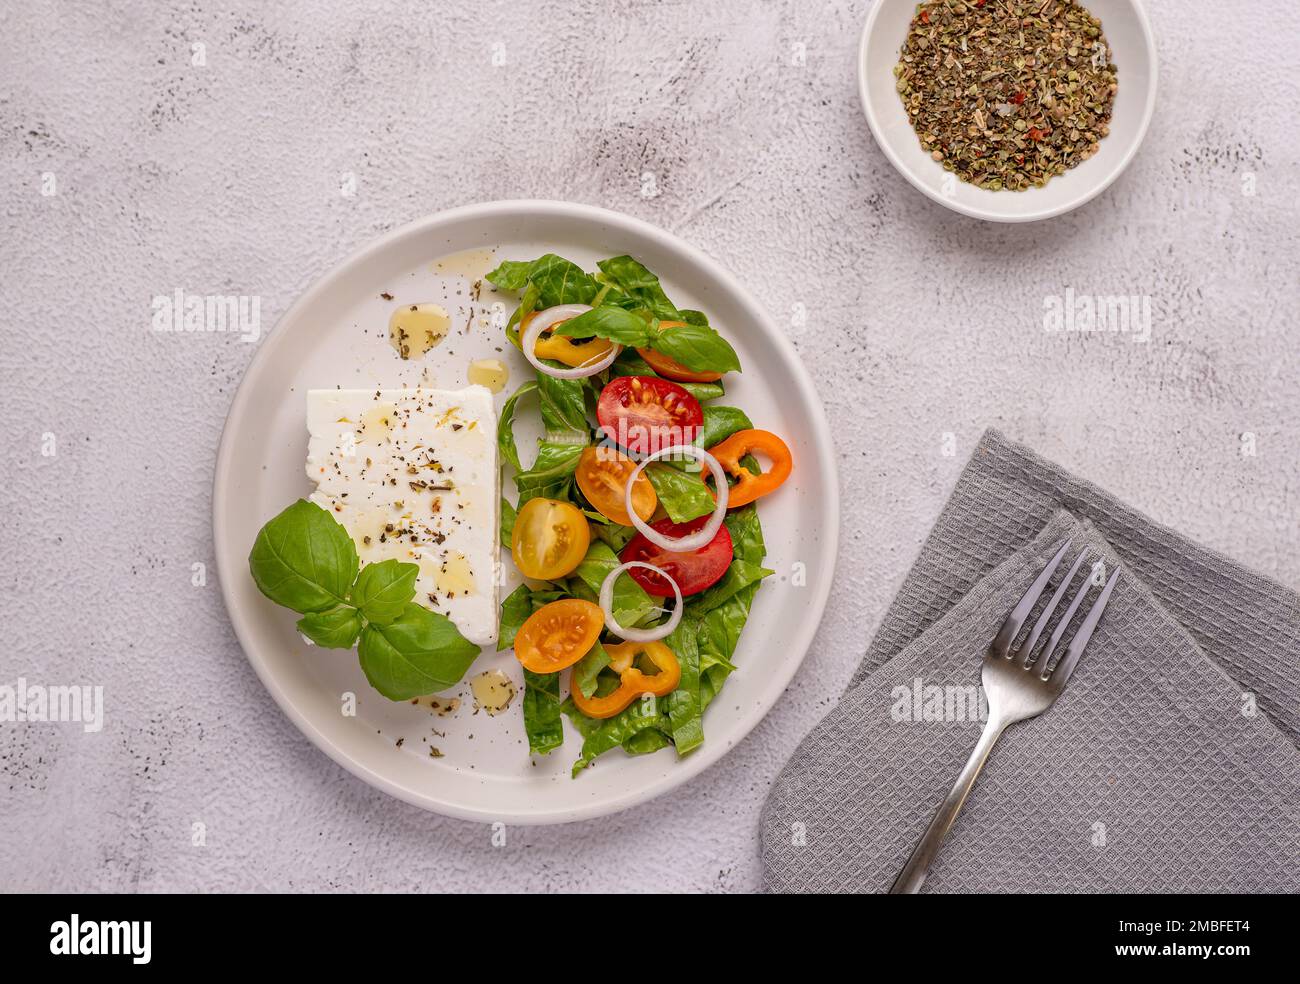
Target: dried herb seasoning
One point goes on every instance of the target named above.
(1007, 93)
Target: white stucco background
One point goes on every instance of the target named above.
(226, 177)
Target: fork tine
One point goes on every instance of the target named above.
(1071, 658)
(1045, 660)
(1016, 620)
(1041, 624)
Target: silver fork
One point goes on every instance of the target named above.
(1018, 686)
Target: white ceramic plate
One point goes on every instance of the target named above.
(336, 335)
(1125, 25)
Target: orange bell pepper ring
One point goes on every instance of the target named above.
(632, 682)
(749, 486)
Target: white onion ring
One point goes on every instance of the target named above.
(543, 320)
(638, 635)
(706, 533)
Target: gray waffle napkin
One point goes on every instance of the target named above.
(1169, 763)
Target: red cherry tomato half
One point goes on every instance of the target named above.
(646, 414)
(693, 570)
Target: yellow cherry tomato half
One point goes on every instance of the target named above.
(550, 539)
(558, 635)
(602, 476)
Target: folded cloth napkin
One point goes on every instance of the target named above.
(1170, 762)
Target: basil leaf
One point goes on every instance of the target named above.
(564, 407)
(588, 668)
(541, 702)
(560, 281)
(304, 559)
(704, 391)
(683, 494)
(695, 317)
(510, 274)
(420, 652)
(631, 603)
(697, 347)
(337, 629)
(506, 426)
(383, 589)
(720, 423)
(609, 322)
(638, 282)
(551, 474)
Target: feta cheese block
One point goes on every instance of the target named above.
(412, 474)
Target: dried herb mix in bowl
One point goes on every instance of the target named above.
(1007, 93)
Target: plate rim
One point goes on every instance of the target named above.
(975, 211)
(228, 566)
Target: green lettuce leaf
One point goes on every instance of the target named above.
(541, 703)
(515, 609)
(631, 604)
(551, 474)
(685, 712)
(564, 408)
(683, 494)
(506, 425)
(587, 669)
(612, 732)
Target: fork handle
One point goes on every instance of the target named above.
(913, 875)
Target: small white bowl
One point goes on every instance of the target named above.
(1125, 25)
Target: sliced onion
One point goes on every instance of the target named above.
(638, 635)
(705, 534)
(544, 320)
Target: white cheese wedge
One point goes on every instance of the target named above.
(412, 474)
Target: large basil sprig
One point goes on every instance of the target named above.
(305, 560)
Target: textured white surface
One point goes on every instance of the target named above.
(227, 178)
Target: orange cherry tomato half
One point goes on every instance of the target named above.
(749, 486)
(670, 368)
(602, 476)
(550, 538)
(558, 635)
(560, 348)
(632, 682)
